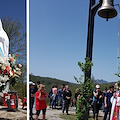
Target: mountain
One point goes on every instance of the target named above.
(100, 81)
(49, 81)
(54, 81)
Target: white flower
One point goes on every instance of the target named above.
(9, 55)
(3, 67)
(11, 74)
(0, 84)
(17, 69)
(4, 79)
(3, 83)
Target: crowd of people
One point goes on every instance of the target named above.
(61, 98)
(57, 97)
(108, 100)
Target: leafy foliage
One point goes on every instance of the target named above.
(86, 89)
(118, 74)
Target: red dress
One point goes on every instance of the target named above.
(40, 103)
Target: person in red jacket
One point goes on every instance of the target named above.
(40, 101)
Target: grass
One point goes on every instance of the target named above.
(99, 118)
(91, 117)
(68, 117)
(72, 117)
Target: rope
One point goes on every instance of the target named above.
(118, 49)
(118, 42)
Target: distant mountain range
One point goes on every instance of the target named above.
(100, 81)
(49, 80)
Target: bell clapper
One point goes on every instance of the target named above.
(107, 16)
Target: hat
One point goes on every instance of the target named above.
(97, 86)
(31, 83)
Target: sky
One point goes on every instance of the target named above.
(58, 39)
(16, 9)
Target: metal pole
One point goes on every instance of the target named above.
(92, 11)
(93, 7)
(90, 36)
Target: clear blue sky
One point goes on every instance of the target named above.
(58, 37)
(16, 9)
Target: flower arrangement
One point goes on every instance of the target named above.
(8, 69)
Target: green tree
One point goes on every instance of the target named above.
(17, 37)
(86, 90)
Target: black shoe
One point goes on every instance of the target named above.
(31, 118)
(68, 114)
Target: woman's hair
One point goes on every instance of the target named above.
(40, 86)
(66, 86)
(111, 86)
(77, 90)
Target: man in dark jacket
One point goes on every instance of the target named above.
(108, 104)
(35, 88)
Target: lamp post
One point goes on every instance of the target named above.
(93, 7)
(106, 11)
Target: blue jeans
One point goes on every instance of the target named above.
(54, 100)
(54, 103)
(107, 110)
(60, 100)
(103, 107)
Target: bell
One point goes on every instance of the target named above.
(107, 10)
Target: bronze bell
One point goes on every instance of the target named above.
(107, 10)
